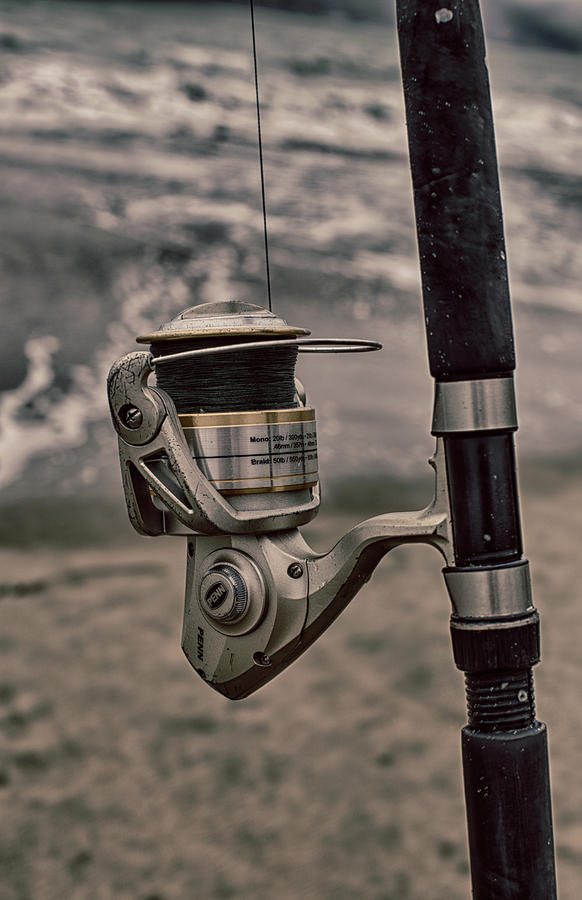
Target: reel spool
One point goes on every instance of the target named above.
(239, 410)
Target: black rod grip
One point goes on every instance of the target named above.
(507, 791)
(456, 189)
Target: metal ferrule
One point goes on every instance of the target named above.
(488, 592)
(255, 452)
(486, 404)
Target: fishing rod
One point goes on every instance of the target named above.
(494, 626)
(222, 450)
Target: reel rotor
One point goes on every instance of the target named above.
(226, 372)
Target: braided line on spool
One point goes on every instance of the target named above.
(227, 382)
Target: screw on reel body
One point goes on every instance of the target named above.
(223, 450)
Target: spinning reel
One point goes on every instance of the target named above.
(223, 450)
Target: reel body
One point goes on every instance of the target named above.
(254, 603)
(239, 483)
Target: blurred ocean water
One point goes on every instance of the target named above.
(130, 190)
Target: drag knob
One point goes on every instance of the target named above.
(223, 593)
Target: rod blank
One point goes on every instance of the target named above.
(456, 189)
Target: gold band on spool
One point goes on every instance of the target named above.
(257, 417)
(261, 451)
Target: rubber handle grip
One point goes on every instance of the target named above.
(507, 791)
(456, 189)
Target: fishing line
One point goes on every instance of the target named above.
(260, 143)
(265, 377)
(204, 372)
(227, 382)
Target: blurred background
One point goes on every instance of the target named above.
(130, 190)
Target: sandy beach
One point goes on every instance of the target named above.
(124, 776)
